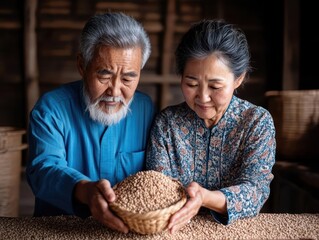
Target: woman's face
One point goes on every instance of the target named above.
(208, 86)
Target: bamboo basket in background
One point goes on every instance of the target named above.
(11, 147)
(296, 119)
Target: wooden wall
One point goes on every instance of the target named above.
(58, 24)
(11, 64)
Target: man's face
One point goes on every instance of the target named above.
(111, 79)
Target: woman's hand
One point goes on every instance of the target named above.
(190, 209)
(98, 195)
(198, 197)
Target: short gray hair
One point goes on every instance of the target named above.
(115, 30)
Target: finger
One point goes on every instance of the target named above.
(102, 213)
(191, 192)
(114, 222)
(190, 209)
(192, 189)
(182, 216)
(178, 226)
(98, 205)
(106, 190)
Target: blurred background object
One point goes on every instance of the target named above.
(11, 147)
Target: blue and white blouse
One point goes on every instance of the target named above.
(235, 156)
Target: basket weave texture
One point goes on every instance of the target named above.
(296, 118)
(149, 222)
(10, 164)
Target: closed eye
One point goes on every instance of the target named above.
(127, 81)
(129, 77)
(215, 88)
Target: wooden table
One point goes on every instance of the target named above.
(264, 226)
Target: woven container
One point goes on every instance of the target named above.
(10, 164)
(296, 119)
(149, 222)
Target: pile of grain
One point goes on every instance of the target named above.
(264, 226)
(147, 191)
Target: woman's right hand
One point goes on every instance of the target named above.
(189, 210)
(98, 195)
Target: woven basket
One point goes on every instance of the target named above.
(10, 164)
(296, 119)
(150, 222)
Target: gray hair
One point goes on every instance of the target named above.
(208, 37)
(115, 30)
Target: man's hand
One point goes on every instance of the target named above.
(98, 195)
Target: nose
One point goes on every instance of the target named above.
(203, 94)
(114, 87)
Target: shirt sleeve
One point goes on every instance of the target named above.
(157, 150)
(251, 188)
(50, 178)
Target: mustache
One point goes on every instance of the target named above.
(109, 99)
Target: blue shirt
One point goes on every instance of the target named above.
(235, 156)
(66, 146)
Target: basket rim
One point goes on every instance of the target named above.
(7, 130)
(281, 93)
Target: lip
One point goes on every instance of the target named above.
(204, 107)
(110, 103)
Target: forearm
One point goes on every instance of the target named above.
(214, 200)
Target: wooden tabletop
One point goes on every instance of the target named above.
(264, 226)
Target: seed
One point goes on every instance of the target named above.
(147, 191)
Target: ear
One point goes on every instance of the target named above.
(80, 64)
(239, 80)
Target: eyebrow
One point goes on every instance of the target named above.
(104, 71)
(209, 80)
(127, 74)
(130, 74)
(191, 77)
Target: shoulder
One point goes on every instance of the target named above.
(60, 97)
(174, 113)
(63, 92)
(141, 97)
(142, 103)
(174, 110)
(247, 109)
(250, 113)
(141, 107)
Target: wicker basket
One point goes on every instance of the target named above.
(296, 118)
(10, 164)
(150, 222)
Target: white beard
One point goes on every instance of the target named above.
(99, 115)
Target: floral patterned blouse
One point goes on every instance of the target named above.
(235, 156)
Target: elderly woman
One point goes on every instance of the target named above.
(222, 148)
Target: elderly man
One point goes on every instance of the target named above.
(88, 135)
